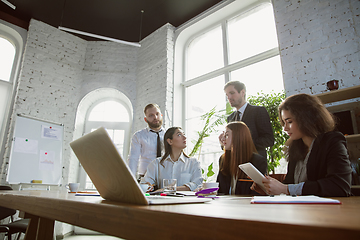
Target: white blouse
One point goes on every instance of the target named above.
(186, 171)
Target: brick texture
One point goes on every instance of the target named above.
(319, 41)
(155, 75)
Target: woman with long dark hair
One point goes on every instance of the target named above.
(174, 164)
(239, 149)
(317, 155)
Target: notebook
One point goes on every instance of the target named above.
(112, 176)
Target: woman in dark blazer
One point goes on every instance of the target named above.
(317, 155)
(239, 148)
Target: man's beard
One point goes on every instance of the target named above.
(155, 125)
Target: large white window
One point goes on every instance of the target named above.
(242, 46)
(12, 40)
(7, 50)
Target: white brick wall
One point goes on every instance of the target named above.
(155, 75)
(59, 69)
(111, 65)
(319, 41)
(49, 80)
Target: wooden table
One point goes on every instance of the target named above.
(224, 218)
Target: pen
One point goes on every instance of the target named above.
(171, 195)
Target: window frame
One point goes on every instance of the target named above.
(186, 34)
(227, 67)
(16, 36)
(88, 125)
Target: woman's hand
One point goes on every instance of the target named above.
(274, 187)
(257, 189)
(150, 187)
(221, 139)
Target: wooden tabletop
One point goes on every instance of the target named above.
(224, 218)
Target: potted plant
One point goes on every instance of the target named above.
(212, 120)
(271, 102)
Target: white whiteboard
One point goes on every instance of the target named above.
(36, 151)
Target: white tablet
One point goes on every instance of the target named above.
(253, 173)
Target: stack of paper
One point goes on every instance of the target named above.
(278, 199)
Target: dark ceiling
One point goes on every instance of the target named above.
(120, 19)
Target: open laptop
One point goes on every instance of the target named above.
(111, 175)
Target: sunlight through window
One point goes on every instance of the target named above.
(250, 55)
(109, 111)
(6, 59)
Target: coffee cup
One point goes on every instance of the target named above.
(332, 85)
(72, 187)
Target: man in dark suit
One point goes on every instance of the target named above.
(255, 117)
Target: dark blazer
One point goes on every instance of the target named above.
(242, 188)
(328, 167)
(258, 121)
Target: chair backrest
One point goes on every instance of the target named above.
(6, 212)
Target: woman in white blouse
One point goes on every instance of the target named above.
(174, 164)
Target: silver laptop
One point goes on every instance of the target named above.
(111, 175)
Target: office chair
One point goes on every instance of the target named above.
(18, 226)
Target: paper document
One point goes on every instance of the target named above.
(50, 132)
(26, 145)
(186, 193)
(279, 199)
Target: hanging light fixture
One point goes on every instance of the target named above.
(91, 34)
(9, 4)
(98, 36)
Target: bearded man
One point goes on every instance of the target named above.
(147, 143)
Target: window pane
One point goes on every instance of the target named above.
(262, 76)
(205, 53)
(117, 136)
(210, 150)
(252, 34)
(202, 97)
(7, 55)
(109, 111)
(5, 91)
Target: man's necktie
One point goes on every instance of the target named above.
(238, 116)
(158, 149)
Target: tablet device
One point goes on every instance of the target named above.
(253, 173)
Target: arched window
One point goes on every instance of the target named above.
(7, 56)
(12, 41)
(7, 50)
(236, 42)
(113, 116)
(108, 108)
